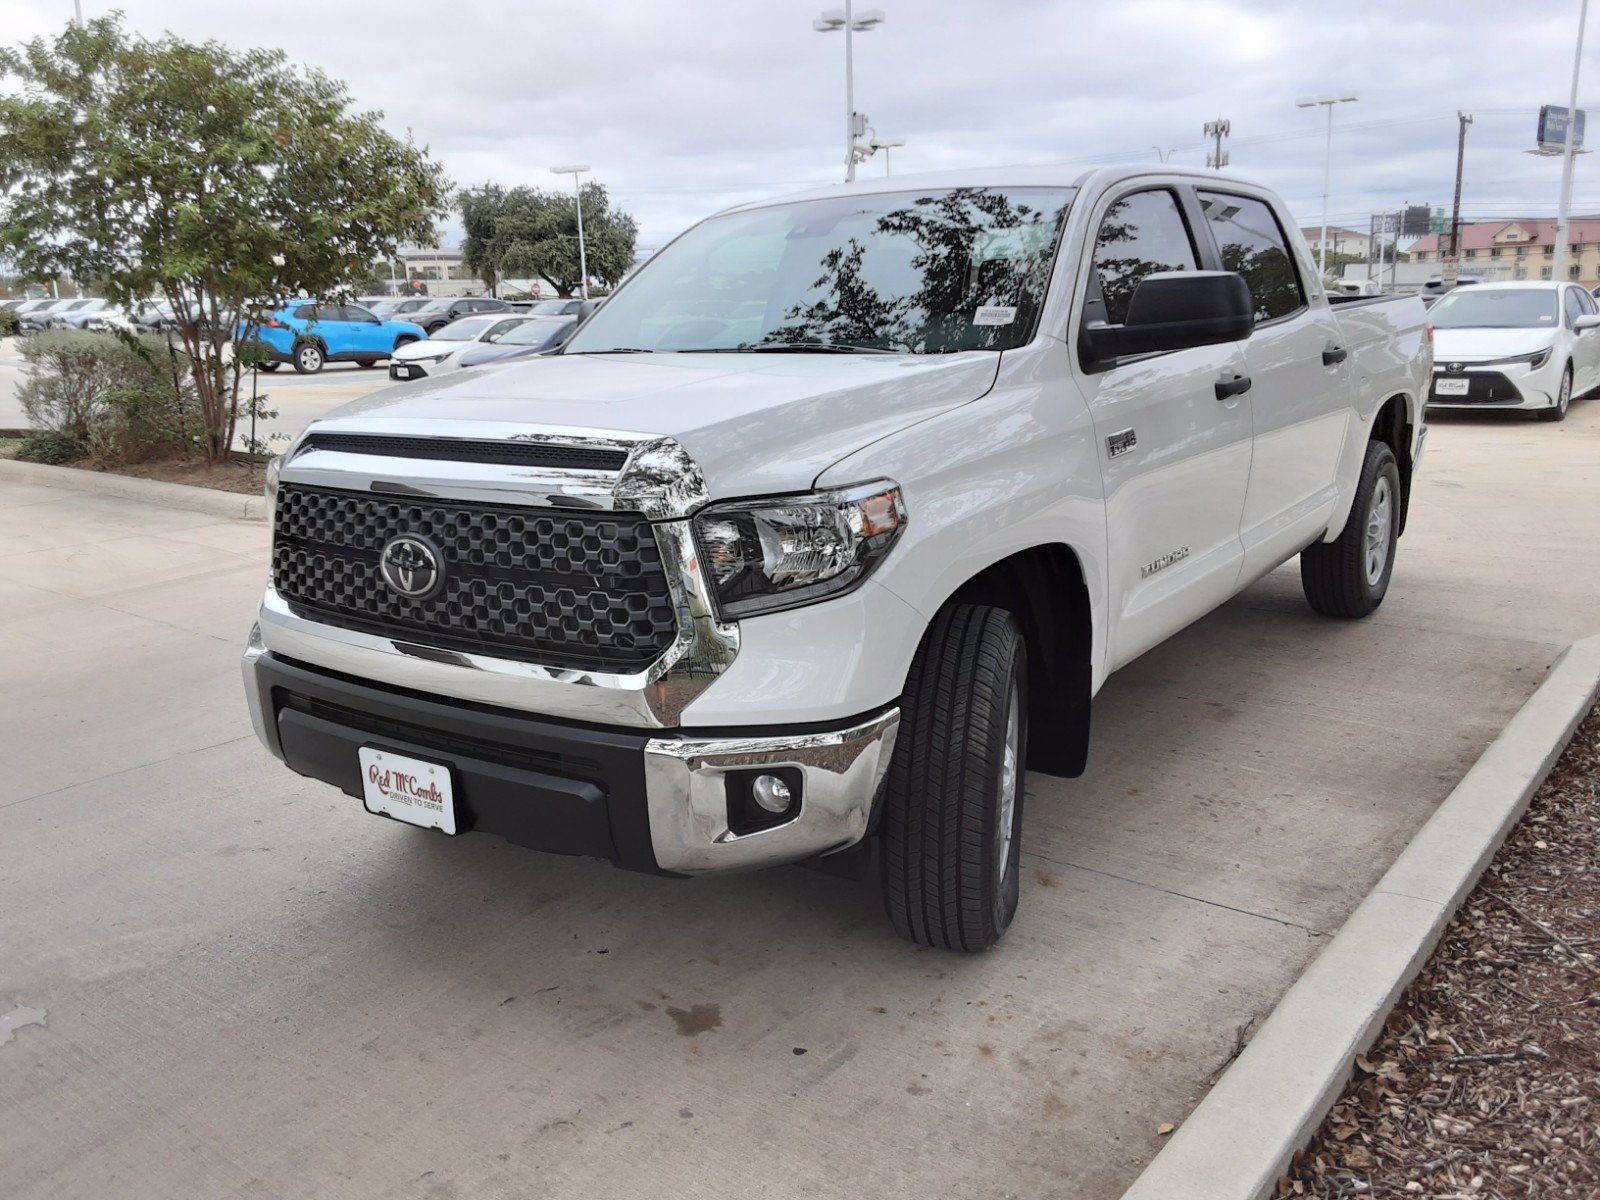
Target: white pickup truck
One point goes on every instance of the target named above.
(830, 524)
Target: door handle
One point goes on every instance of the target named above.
(1232, 384)
(1332, 355)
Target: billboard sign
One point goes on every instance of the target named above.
(1553, 128)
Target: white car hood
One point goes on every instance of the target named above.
(755, 423)
(1469, 345)
(429, 348)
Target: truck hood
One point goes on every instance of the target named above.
(1469, 345)
(754, 423)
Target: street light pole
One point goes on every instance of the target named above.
(577, 191)
(886, 145)
(1566, 149)
(831, 21)
(1327, 167)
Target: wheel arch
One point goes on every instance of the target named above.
(1044, 587)
(1395, 426)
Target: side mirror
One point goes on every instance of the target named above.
(1586, 322)
(587, 307)
(1175, 310)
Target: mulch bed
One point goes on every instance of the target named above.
(231, 476)
(1485, 1082)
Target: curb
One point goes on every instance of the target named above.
(236, 506)
(1239, 1140)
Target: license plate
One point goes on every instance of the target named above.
(1451, 387)
(408, 789)
(400, 372)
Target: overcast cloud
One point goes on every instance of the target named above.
(685, 106)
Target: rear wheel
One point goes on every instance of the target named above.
(952, 819)
(308, 358)
(269, 366)
(1348, 577)
(366, 362)
(1563, 399)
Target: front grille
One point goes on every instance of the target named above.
(571, 590)
(1483, 387)
(511, 453)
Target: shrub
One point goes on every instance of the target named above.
(8, 322)
(119, 398)
(52, 448)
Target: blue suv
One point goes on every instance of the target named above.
(310, 334)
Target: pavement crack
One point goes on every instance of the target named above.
(67, 787)
(1156, 887)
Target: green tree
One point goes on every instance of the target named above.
(214, 177)
(533, 232)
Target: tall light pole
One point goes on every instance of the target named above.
(577, 191)
(852, 23)
(1566, 149)
(1327, 166)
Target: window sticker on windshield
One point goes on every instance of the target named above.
(994, 314)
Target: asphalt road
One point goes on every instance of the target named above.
(253, 989)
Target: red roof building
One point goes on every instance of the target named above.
(1521, 249)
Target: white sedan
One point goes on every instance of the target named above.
(1516, 346)
(440, 353)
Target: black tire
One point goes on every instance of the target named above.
(309, 358)
(269, 366)
(403, 341)
(366, 362)
(950, 848)
(1563, 399)
(1340, 578)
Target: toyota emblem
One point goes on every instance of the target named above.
(1452, 366)
(411, 567)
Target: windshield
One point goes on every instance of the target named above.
(547, 308)
(928, 272)
(531, 333)
(1496, 308)
(436, 306)
(465, 330)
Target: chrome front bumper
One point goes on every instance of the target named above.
(684, 797)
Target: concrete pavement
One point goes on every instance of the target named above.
(253, 989)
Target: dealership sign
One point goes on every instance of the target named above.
(1553, 128)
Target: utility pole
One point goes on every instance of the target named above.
(1461, 156)
(1566, 150)
(1216, 131)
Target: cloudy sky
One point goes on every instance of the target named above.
(685, 106)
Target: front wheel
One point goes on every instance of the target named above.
(269, 366)
(1563, 399)
(1348, 577)
(952, 820)
(308, 358)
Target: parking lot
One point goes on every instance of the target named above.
(251, 985)
(298, 399)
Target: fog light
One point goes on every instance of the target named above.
(771, 793)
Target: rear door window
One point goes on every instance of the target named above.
(1142, 234)
(1253, 243)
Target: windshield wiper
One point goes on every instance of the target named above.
(613, 350)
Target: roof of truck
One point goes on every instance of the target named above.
(1011, 176)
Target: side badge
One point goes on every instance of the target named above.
(1118, 444)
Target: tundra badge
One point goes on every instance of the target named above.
(1165, 561)
(1120, 443)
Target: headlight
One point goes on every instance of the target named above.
(429, 358)
(1535, 360)
(765, 555)
(270, 488)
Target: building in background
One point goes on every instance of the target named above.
(1519, 249)
(1340, 241)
